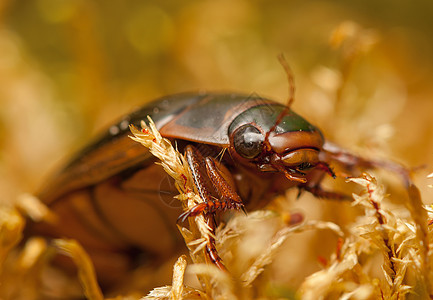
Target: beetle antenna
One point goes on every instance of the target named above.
(290, 78)
(291, 96)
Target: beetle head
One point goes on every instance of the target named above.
(273, 138)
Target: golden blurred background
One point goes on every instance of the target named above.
(363, 71)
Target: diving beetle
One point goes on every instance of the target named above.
(112, 197)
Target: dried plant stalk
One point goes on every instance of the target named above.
(396, 238)
(11, 227)
(86, 271)
(266, 257)
(178, 274)
(33, 208)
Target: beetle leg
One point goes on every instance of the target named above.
(211, 250)
(198, 169)
(202, 182)
(299, 194)
(351, 161)
(325, 167)
(229, 199)
(192, 212)
(317, 191)
(210, 245)
(314, 185)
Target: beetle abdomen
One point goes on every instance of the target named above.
(118, 215)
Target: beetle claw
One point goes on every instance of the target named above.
(300, 190)
(192, 212)
(324, 166)
(182, 218)
(211, 207)
(244, 210)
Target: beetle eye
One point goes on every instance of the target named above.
(248, 141)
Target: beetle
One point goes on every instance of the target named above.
(113, 199)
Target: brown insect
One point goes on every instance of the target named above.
(118, 204)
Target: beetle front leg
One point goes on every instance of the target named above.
(314, 185)
(212, 251)
(207, 178)
(351, 161)
(228, 198)
(317, 191)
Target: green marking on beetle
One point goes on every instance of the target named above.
(266, 116)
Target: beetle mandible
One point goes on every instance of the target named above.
(109, 196)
